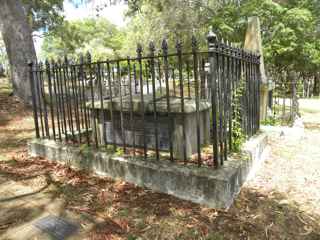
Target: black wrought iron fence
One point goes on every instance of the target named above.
(184, 106)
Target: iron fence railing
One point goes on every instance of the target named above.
(181, 106)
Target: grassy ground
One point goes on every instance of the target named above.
(282, 202)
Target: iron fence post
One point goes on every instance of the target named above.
(154, 96)
(33, 99)
(48, 71)
(212, 43)
(164, 47)
(184, 137)
(142, 110)
(197, 96)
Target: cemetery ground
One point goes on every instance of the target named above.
(281, 202)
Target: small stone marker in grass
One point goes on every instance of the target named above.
(57, 227)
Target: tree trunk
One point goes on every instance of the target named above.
(308, 88)
(294, 106)
(316, 85)
(17, 36)
(304, 86)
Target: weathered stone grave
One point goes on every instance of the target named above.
(134, 130)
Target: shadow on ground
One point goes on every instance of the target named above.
(118, 210)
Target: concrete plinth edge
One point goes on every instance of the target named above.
(210, 187)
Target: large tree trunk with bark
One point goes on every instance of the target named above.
(17, 36)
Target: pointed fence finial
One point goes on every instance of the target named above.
(88, 57)
(243, 53)
(152, 48)
(47, 63)
(164, 46)
(40, 65)
(81, 58)
(239, 52)
(53, 63)
(66, 62)
(222, 45)
(59, 62)
(139, 50)
(179, 46)
(194, 43)
(226, 46)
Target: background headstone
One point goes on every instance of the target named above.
(253, 42)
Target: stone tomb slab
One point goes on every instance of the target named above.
(56, 227)
(133, 131)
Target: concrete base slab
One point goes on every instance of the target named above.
(214, 188)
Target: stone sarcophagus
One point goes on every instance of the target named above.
(130, 128)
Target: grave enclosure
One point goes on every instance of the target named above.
(176, 111)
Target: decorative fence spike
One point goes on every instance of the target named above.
(139, 50)
(194, 43)
(66, 61)
(88, 57)
(164, 46)
(81, 58)
(152, 47)
(47, 63)
(179, 46)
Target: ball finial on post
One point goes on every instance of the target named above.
(212, 40)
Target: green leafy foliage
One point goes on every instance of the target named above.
(290, 29)
(271, 121)
(45, 14)
(238, 135)
(173, 20)
(98, 36)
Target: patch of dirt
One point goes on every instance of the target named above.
(281, 203)
(16, 123)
